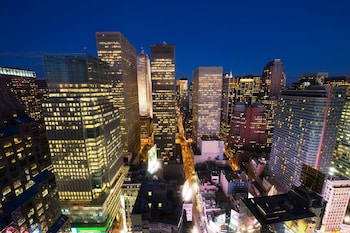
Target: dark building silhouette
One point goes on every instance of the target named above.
(29, 197)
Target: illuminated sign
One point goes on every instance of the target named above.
(17, 72)
(152, 160)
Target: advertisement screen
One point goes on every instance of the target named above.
(152, 160)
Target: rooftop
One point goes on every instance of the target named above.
(285, 207)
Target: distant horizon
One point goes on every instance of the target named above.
(289, 81)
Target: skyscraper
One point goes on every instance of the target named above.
(273, 78)
(118, 52)
(273, 82)
(207, 90)
(145, 95)
(336, 194)
(305, 132)
(341, 154)
(144, 85)
(28, 88)
(163, 88)
(183, 101)
(83, 128)
(228, 86)
(182, 94)
(247, 128)
(246, 90)
(29, 196)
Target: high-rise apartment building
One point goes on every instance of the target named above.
(305, 132)
(163, 88)
(336, 194)
(83, 129)
(207, 91)
(273, 82)
(118, 52)
(28, 197)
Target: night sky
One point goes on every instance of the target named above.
(241, 36)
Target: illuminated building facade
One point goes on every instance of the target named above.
(273, 82)
(144, 84)
(28, 194)
(247, 128)
(163, 88)
(207, 91)
(145, 95)
(183, 101)
(336, 194)
(228, 94)
(30, 90)
(247, 89)
(273, 78)
(341, 154)
(182, 94)
(305, 132)
(83, 129)
(118, 52)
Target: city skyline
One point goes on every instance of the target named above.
(241, 37)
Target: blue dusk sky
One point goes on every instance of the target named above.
(241, 36)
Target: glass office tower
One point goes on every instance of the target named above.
(120, 55)
(83, 128)
(207, 92)
(305, 132)
(163, 88)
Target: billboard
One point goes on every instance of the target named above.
(152, 160)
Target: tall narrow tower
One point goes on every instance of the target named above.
(163, 87)
(118, 52)
(207, 91)
(273, 82)
(145, 95)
